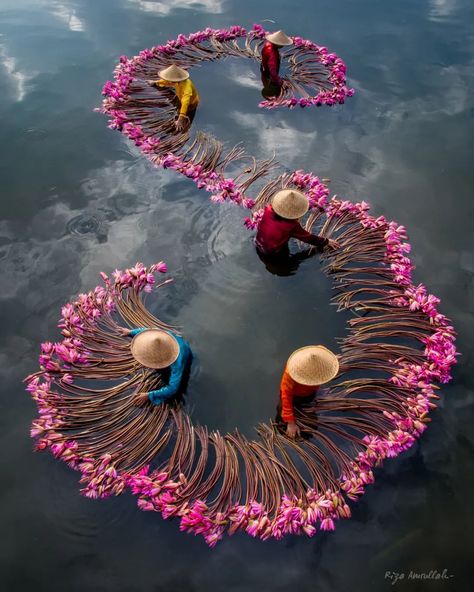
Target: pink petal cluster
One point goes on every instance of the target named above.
(82, 314)
(159, 492)
(57, 360)
(137, 277)
(315, 190)
(315, 510)
(222, 189)
(169, 494)
(100, 477)
(336, 75)
(254, 220)
(117, 91)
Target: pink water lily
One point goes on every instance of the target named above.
(298, 510)
(161, 492)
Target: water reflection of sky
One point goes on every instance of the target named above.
(164, 8)
(16, 77)
(77, 198)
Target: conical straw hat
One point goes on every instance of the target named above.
(312, 365)
(173, 74)
(279, 38)
(290, 204)
(154, 348)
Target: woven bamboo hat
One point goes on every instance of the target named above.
(290, 204)
(173, 74)
(312, 365)
(154, 348)
(279, 38)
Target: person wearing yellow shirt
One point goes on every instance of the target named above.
(187, 98)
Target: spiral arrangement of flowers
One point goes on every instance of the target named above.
(397, 348)
(146, 115)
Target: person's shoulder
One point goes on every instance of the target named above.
(182, 342)
(294, 223)
(286, 375)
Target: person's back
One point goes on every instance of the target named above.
(186, 96)
(270, 66)
(280, 222)
(274, 231)
(186, 93)
(271, 62)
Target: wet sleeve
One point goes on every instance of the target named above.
(186, 98)
(286, 397)
(303, 235)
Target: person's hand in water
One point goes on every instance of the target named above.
(292, 430)
(123, 331)
(181, 123)
(332, 244)
(141, 398)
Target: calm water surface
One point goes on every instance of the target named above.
(77, 199)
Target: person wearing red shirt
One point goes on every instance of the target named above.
(270, 67)
(306, 369)
(280, 222)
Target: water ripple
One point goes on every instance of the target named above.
(84, 224)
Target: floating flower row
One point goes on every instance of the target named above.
(221, 188)
(305, 516)
(169, 493)
(336, 75)
(80, 316)
(159, 491)
(118, 91)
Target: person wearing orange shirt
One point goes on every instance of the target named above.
(306, 369)
(187, 98)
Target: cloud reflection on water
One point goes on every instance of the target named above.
(287, 141)
(16, 76)
(45, 245)
(441, 9)
(165, 8)
(68, 16)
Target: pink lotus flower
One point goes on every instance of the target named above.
(327, 524)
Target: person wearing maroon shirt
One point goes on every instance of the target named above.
(280, 222)
(270, 67)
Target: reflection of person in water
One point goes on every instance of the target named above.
(279, 223)
(306, 370)
(284, 263)
(164, 351)
(186, 100)
(270, 67)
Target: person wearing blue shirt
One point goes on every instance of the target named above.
(158, 349)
